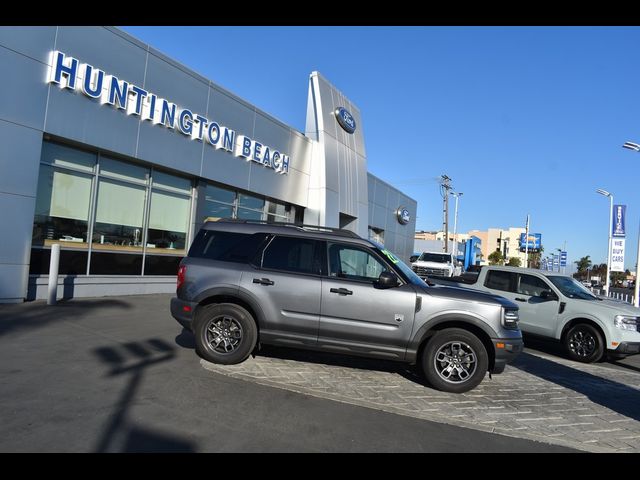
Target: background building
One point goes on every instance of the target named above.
(506, 241)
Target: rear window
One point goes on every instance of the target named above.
(226, 246)
(500, 280)
(291, 254)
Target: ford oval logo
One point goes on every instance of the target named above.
(404, 216)
(346, 120)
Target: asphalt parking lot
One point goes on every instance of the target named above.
(117, 374)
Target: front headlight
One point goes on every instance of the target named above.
(510, 319)
(626, 322)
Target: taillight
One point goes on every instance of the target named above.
(182, 271)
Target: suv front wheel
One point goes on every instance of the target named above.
(584, 343)
(224, 333)
(455, 360)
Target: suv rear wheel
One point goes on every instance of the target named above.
(455, 360)
(224, 333)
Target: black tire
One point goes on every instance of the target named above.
(465, 365)
(583, 343)
(225, 333)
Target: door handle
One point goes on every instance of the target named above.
(521, 299)
(263, 281)
(341, 291)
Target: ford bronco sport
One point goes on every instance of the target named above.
(246, 282)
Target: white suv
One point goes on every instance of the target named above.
(561, 308)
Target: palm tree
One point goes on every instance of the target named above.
(583, 264)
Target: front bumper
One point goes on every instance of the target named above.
(628, 348)
(183, 312)
(506, 350)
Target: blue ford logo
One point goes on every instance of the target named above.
(346, 120)
(404, 216)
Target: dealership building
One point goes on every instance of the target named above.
(119, 154)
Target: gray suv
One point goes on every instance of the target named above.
(244, 283)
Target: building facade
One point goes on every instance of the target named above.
(507, 241)
(119, 154)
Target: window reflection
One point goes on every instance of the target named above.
(62, 208)
(119, 216)
(168, 221)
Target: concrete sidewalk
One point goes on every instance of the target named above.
(120, 375)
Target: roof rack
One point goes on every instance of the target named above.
(300, 226)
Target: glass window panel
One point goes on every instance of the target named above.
(168, 222)
(215, 211)
(500, 280)
(171, 182)
(72, 262)
(62, 156)
(276, 212)
(532, 286)
(103, 263)
(353, 263)
(123, 170)
(226, 246)
(250, 202)
(119, 216)
(62, 208)
(276, 209)
(161, 264)
(217, 194)
(292, 255)
(246, 214)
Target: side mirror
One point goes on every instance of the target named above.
(548, 295)
(413, 258)
(387, 280)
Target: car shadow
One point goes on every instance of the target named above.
(613, 395)
(186, 340)
(410, 372)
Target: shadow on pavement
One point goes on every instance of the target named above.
(624, 365)
(186, 339)
(120, 433)
(31, 316)
(613, 395)
(410, 372)
(556, 349)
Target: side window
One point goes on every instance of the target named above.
(532, 286)
(500, 280)
(297, 255)
(226, 246)
(354, 263)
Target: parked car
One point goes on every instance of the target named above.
(559, 307)
(247, 283)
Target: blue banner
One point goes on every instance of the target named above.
(619, 217)
(563, 259)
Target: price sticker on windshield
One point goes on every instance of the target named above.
(391, 256)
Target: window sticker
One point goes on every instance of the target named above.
(391, 256)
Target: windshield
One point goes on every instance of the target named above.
(435, 257)
(400, 265)
(572, 288)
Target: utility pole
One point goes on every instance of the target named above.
(526, 244)
(445, 186)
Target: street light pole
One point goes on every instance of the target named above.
(455, 224)
(635, 147)
(607, 194)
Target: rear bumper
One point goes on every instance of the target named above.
(183, 312)
(506, 350)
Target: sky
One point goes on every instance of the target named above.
(524, 120)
